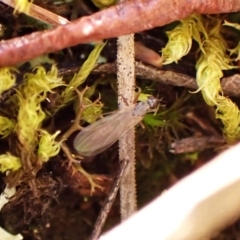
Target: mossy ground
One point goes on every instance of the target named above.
(64, 208)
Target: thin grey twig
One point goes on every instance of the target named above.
(108, 202)
(196, 144)
(230, 85)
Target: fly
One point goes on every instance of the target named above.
(102, 134)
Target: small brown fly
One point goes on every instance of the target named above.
(102, 134)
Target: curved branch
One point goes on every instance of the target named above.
(126, 18)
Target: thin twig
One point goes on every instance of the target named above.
(230, 85)
(108, 202)
(196, 144)
(41, 14)
(76, 126)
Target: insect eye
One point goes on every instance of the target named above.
(153, 102)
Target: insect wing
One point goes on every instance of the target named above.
(100, 135)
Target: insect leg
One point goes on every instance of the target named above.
(137, 94)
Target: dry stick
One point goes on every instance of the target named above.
(41, 14)
(108, 202)
(230, 85)
(126, 91)
(129, 17)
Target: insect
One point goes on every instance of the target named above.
(102, 134)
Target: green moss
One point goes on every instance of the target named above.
(92, 113)
(30, 94)
(104, 3)
(29, 120)
(213, 59)
(22, 6)
(154, 120)
(234, 25)
(68, 95)
(9, 162)
(6, 126)
(180, 39)
(41, 82)
(48, 147)
(24, 116)
(7, 79)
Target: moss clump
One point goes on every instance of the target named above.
(213, 59)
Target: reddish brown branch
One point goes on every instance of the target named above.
(126, 18)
